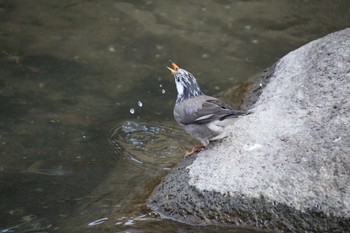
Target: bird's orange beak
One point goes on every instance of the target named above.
(174, 69)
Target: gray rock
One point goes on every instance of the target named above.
(286, 167)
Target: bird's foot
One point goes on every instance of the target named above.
(195, 149)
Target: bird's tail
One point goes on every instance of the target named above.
(236, 114)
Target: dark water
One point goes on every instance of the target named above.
(86, 127)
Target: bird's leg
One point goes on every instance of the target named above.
(195, 149)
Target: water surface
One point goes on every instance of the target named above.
(86, 126)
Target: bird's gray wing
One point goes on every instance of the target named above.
(204, 109)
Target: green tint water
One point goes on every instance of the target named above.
(86, 127)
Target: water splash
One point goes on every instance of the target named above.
(143, 143)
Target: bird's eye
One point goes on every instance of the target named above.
(177, 79)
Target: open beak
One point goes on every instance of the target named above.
(175, 67)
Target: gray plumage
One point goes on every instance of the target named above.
(204, 117)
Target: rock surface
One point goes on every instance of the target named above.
(286, 167)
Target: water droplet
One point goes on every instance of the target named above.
(139, 103)
(159, 47)
(163, 91)
(111, 48)
(160, 85)
(132, 111)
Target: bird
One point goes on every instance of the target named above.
(201, 116)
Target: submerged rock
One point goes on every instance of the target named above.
(286, 167)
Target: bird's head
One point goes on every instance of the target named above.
(186, 84)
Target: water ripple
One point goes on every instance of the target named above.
(147, 143)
